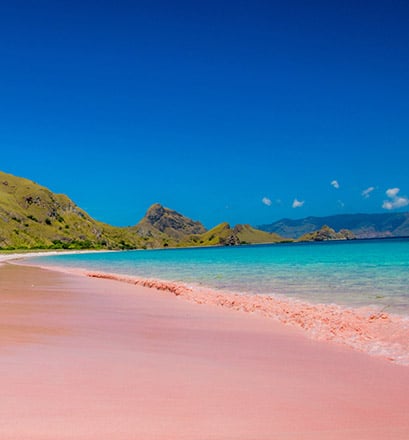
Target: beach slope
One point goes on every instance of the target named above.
(86, 358)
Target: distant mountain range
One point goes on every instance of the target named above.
(361, 225)
(33, 217)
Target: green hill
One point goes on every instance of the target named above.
(326, 233)
(224, 235)
(33, 217)
(248, 234)
(163, 227)
(217, 236)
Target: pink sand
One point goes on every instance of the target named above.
(366, 329)
(88, 358)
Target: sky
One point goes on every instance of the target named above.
(237, 111)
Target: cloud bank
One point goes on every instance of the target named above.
(395, 201)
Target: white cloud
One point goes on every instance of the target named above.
(341, 204)
(335, 184)
(297, 203)
(395, 200)
(392, 192)
(266, 201)
(367, 192)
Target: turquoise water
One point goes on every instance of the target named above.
(353, 273)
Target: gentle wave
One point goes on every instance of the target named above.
(350, 274)
(366, 329)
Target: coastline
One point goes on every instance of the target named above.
(10, 256)
(365, 329)
(88, 358)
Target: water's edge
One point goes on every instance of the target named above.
(365, 329)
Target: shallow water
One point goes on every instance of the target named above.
(354, 293)
(353, 273)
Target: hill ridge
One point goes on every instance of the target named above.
(33, 217)
(377, 225)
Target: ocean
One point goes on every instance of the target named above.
(351, 273)
(311, 282)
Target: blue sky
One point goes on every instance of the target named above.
(238, 111)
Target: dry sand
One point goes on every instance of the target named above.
(85, 358)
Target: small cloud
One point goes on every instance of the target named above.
(341, 204)
(298, 203)
(335, 184)
(395, 200)
(392, 192)
(367, 192)
(266, 201)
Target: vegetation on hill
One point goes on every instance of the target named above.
(163, 227)
(219, 235)
(33, 217)
(326, 233)
(249, 235)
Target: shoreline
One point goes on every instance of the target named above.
(86, 358)
(365, 329)
(14, 256)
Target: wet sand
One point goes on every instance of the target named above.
(88, 358)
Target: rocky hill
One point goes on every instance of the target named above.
(163, 226)
(361, 225)
(33, 217)
(327, 234)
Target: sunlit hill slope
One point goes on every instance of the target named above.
(33, 217)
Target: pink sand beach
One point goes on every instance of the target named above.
(91, 358)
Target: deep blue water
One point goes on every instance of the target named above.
(353, 273)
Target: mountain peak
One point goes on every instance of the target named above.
(170, 222)
(155, 213)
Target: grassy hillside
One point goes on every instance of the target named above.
(32, 216)
(224, 235)
(326, 233)
(248, 234)
(216, 236)
(162, 227)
